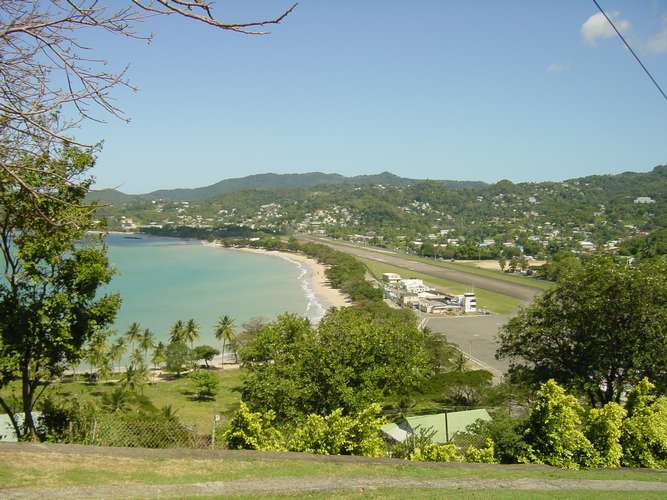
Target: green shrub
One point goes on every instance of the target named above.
(553, 435)
(484, 455)
(422, 437)
(603, 429)
(437, 453)
(338, 434)
(644, 433)
(506, 433)
(253, 431)
(64, 419)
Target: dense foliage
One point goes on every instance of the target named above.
(602, 326)
(352, 359)
(50, 305)
(644, 432)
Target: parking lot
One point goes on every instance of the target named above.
(475, 336)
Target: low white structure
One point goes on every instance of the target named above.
(587, 245)
(412, 285)
(391, 277)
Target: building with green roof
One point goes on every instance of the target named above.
(445, 425)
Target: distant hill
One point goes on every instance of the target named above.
(110, 196)
(269, 182)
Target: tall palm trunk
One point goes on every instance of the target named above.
(222, 354)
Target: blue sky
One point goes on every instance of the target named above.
(429, 89)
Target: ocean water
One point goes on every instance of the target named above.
(162, 280)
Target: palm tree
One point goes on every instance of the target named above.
(133, 333)
(224, 332)
(177, 332)
(117, 400)
(147, 342)
(98, 355)
(137, 359)
(117, 350)
(159, 354)
(191, 332)
(169, 412)
(134, 379)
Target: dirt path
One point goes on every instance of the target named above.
(297, 485)
(522, 292)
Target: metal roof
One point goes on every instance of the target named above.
(444, 424)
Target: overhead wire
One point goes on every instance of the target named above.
(657, 85)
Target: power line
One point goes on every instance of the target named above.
(631, 51)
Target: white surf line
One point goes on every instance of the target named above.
(314, 308)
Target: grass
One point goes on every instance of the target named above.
(495, 302)
(437, 493)
(32, 468)
(176, 392)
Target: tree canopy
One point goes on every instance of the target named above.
(602, 326)
(50, 305)
(352, 359)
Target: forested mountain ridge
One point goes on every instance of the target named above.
(270, 181)
(432, 217)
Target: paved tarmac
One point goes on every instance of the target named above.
(524, 293)
(476, 338)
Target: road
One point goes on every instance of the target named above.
(524, 293)
(476, 338)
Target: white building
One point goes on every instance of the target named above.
(469, 302)
(391, 277)
(644, 200)
(412, 286)
(587, 245)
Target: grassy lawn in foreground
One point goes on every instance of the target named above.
(175, 392)
(44, 469)
(509, 494)
(495, 302)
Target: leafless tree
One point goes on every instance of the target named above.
(50, 81)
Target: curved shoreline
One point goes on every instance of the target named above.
(320, 295)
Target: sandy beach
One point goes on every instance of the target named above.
(325, 295)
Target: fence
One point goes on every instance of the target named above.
(129, 431)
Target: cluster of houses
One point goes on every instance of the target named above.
(413, 293)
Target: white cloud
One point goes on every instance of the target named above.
(557, 68)
(597, 27)
(658, 42)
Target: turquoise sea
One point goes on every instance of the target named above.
(162, 280)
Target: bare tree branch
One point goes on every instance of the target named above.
(46, 73)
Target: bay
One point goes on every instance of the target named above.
(162, 280)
